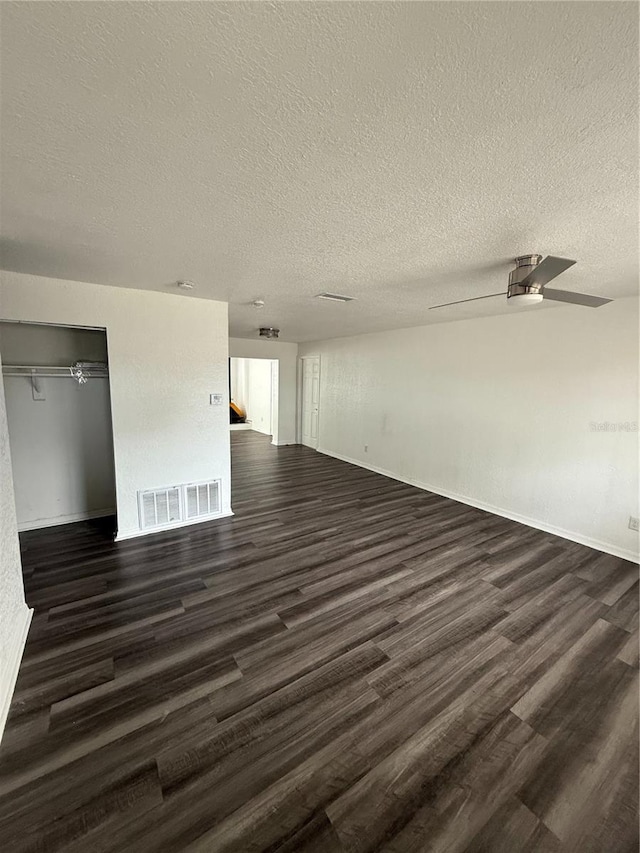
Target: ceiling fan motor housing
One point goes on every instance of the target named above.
(525, 264)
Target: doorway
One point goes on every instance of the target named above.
(56, 382)
(310, 400)
(253, 392)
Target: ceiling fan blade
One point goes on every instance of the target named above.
(575, 298)
(547, 270)
(473, 299)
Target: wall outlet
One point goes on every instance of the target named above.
(215, 399)
(634, 523)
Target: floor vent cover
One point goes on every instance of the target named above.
(175, 504)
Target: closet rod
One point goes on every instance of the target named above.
(52, 371)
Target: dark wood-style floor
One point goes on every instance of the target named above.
(348, 664)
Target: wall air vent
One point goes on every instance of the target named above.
(202, 499)
(335, 297)
(175, 505)
(160, 507)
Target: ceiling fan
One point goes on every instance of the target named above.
(528, 280)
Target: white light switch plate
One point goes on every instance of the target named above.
(215, 399)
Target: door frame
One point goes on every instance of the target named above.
(301, 360)
(274, 395)
(110, 511)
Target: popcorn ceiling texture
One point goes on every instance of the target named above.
(401, 153)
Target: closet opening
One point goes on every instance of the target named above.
(56, 384)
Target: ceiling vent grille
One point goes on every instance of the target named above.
(160, 507)
(202, 499)
(171, 506)
(335, 297)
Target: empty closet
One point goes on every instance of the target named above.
(56, 383)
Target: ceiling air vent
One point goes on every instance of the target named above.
(160, 507)
(202, 499)
(335, 297)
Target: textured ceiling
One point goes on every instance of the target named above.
(401, 153)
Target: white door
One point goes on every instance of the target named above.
(310, 400)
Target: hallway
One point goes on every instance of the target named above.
(347, 664)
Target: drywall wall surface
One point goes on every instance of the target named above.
(14, 613)
(251, 388)
(236, 381)
(259, 388)
(532, 416)
(167, 354)
(29, 343)
(287, 357)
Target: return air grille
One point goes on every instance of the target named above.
(335, 297)
(202, 499)
(174, 505)
(160, 507)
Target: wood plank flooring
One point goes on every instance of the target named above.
(348, 664)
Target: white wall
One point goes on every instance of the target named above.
(14, 613)
(499, 413)
(251, 388)
(167, 354)
(29, 343)
(237, 381)
(287, 357)
(61, 446)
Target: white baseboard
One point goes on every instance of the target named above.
(135, 534)
(13, 659)
(606, 547)
(283, 443)
(64, 519)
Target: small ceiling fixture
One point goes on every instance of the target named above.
(269, 333)
(335, 297)
(258, 303)
(186, 285)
